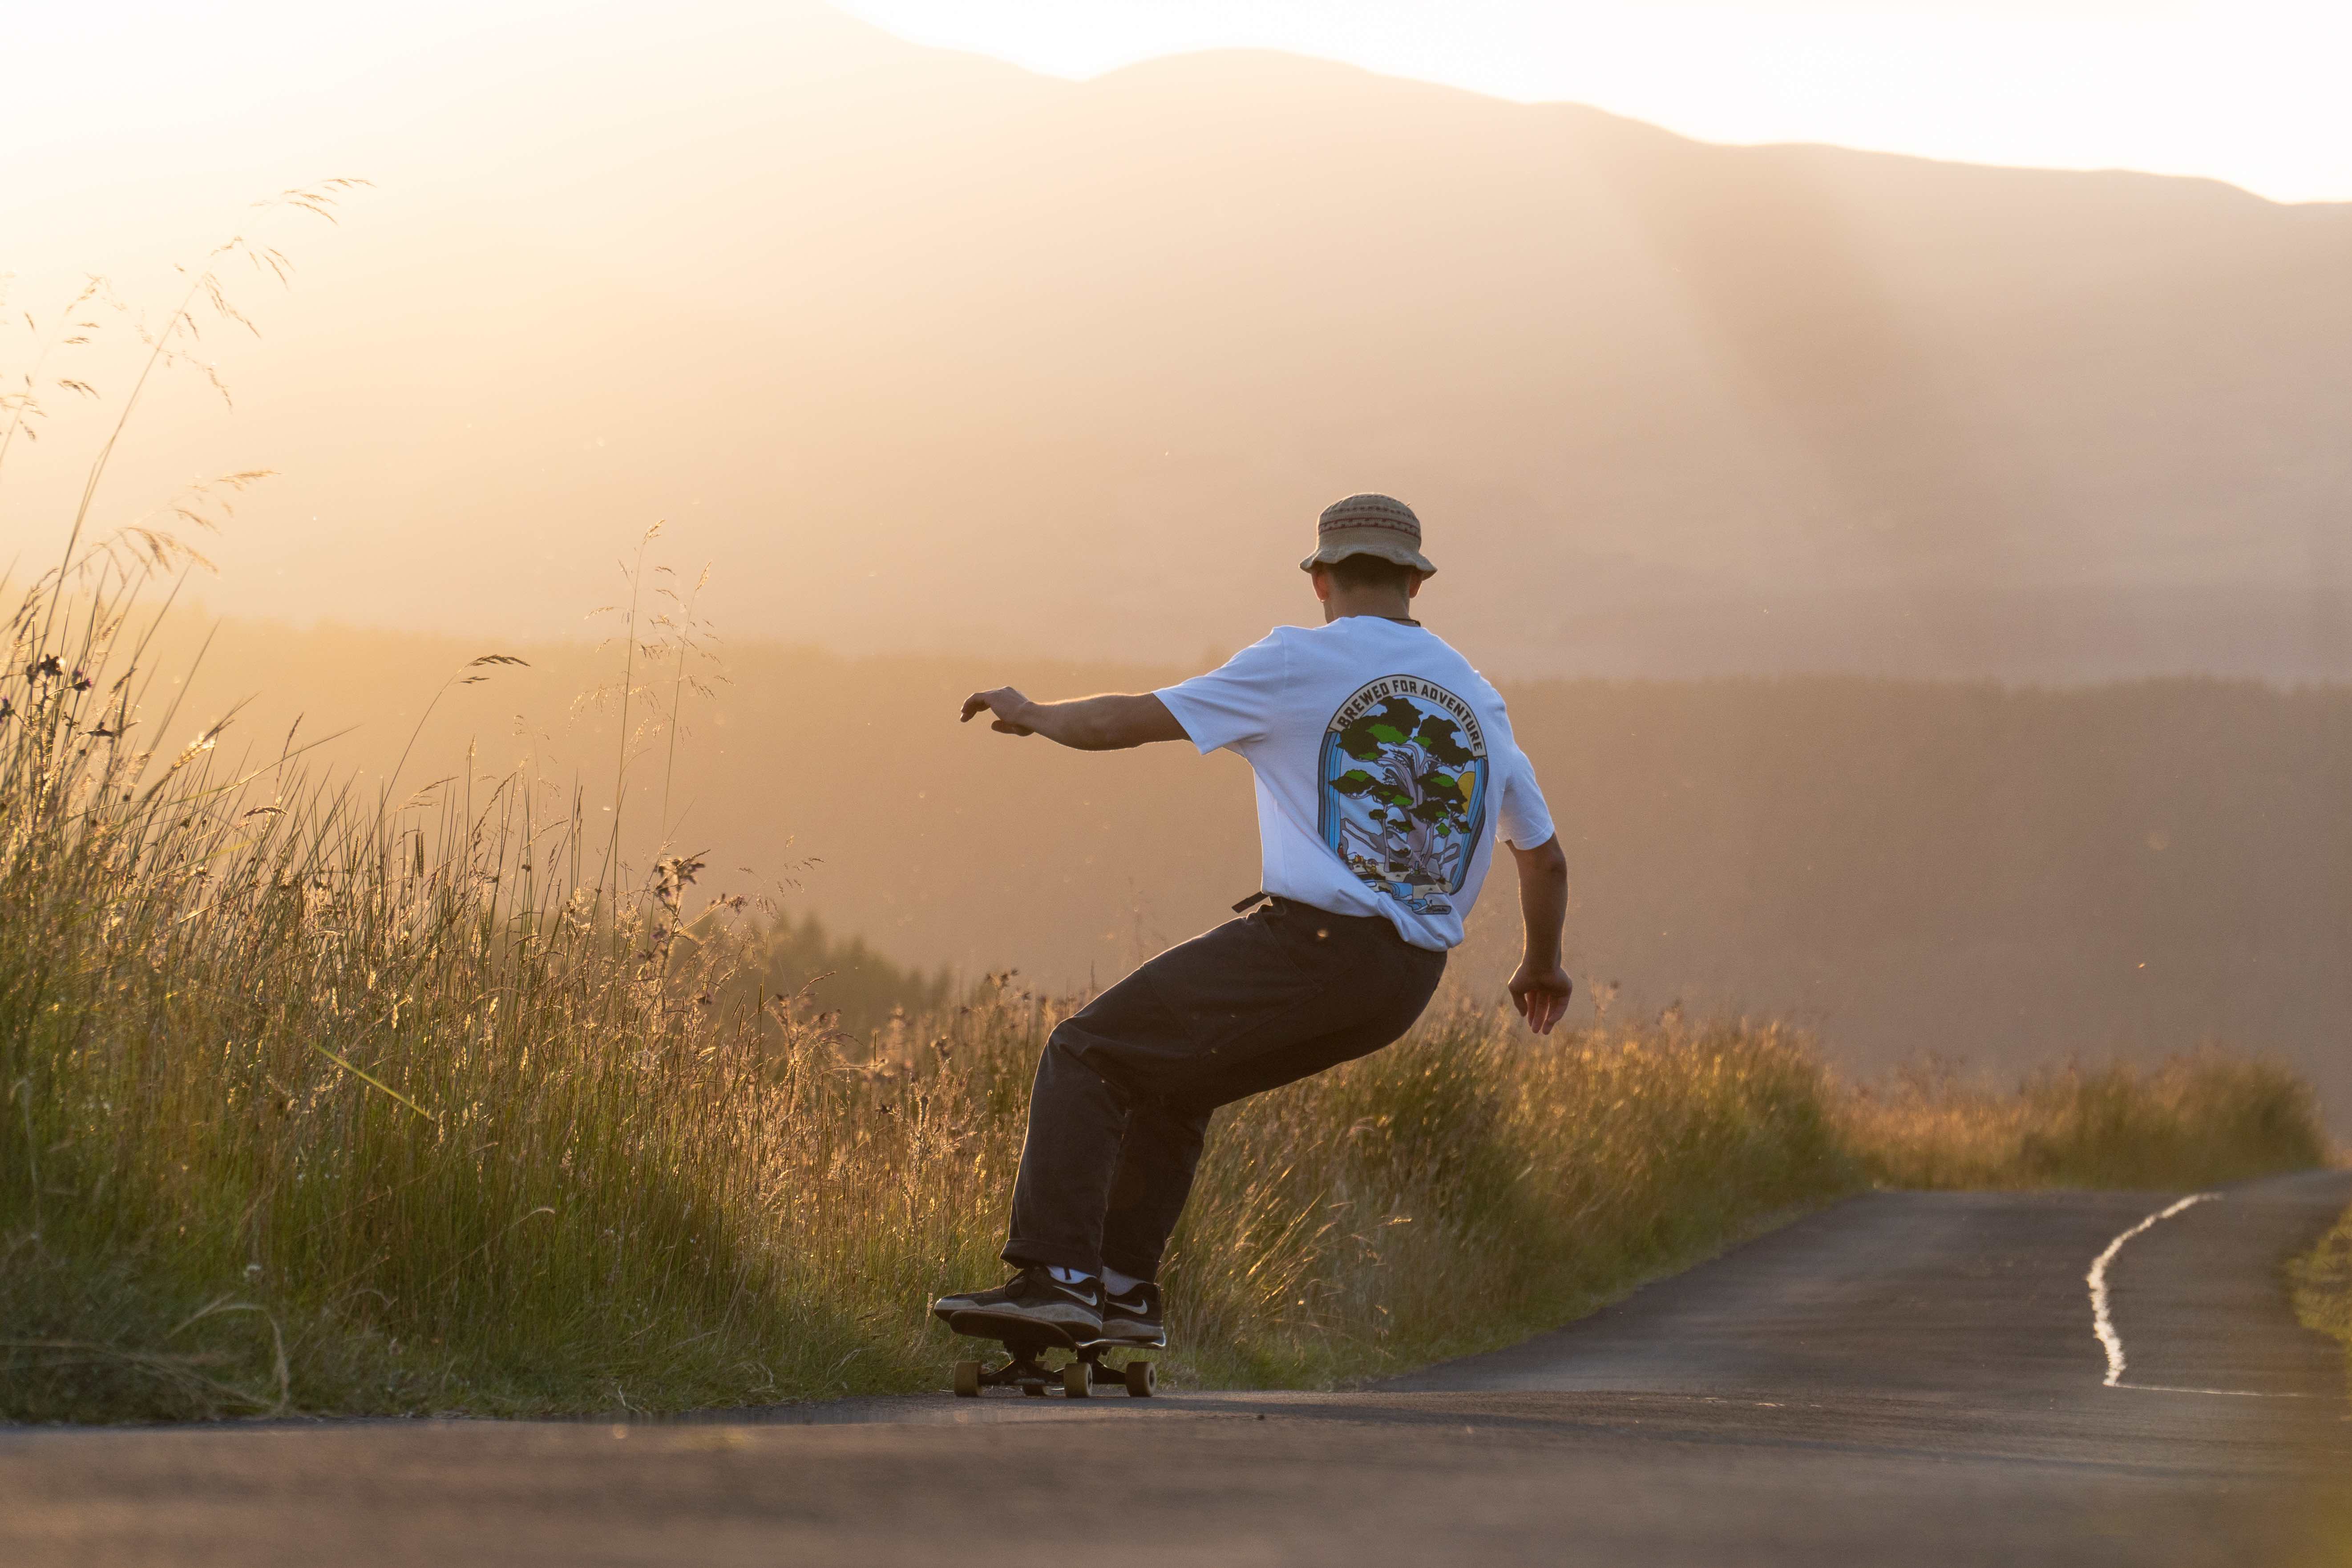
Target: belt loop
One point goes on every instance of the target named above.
(1260, 897)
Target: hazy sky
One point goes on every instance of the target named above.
(2246, 90)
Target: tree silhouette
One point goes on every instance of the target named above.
(1417, 778)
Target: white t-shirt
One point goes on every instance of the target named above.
(1385, 767)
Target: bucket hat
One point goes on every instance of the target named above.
(1369, 525)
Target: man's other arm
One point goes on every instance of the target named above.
(1541, 988)
(1109, 723)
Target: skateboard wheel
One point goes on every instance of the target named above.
(1140, 1379)
(1076, 1383)
(967, 1380)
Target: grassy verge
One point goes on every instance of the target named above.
(2191, 1120)
(2322, 1282)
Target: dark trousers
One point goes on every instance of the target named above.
(1125, 1086)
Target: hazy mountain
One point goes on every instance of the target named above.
(926, 352)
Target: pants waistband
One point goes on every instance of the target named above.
(1317, 911)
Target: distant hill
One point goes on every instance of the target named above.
(929, 352)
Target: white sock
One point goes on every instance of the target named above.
(1118, 1284)
(1069, 1276)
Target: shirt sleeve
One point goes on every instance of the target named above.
(1524, 820)
(1229, 705)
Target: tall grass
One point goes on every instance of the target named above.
(2205, 1117)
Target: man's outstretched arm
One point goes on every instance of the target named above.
(1541, 988)
(1089, 723)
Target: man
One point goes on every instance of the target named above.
(1385, 772)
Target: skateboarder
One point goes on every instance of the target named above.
(1386, 771)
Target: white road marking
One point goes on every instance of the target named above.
(2103, 1325)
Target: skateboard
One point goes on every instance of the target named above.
(1026, 1370)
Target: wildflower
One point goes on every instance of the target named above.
(674, 875)
(81, 681)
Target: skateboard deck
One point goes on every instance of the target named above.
(1024, 1367)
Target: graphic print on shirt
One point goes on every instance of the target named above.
(1403, 794)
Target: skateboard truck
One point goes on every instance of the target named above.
(1029, 1373)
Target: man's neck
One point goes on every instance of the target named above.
(1385, 602)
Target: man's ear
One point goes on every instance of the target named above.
(1322, 581)
(1413, 591)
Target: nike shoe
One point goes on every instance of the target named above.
(1033, 1299)
(1134, 1319)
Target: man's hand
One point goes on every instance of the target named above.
(1541, 989)
(1088, 723)
(1007, 704)
(1541, 996)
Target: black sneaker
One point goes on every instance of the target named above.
(1033, 1299)
(1134, 1319)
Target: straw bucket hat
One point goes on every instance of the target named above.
(1369, 525)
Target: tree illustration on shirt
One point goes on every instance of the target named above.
(1404, 770)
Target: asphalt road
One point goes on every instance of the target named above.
(1907, 1379)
